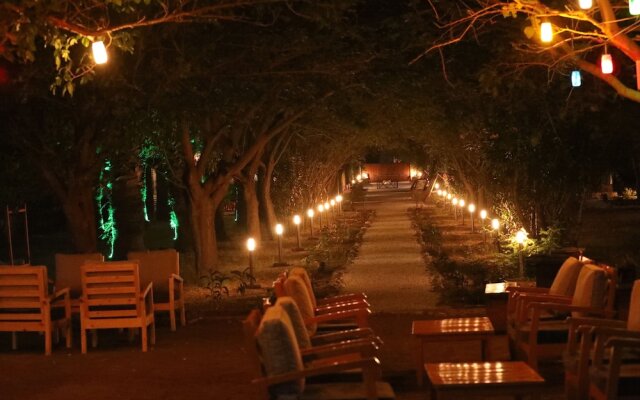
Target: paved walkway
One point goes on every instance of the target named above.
(389, 267)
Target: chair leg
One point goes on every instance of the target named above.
(183, 314)
(83, 340)
(47, 342)
(68, 335)
(172, 319)
(14, 341)
(144, 338)
(153, 332)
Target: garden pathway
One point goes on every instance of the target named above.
(389, 267)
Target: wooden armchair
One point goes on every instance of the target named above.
(68, 274)
(338, 317)
(584, 333)
(162, 267)
(359, 300)
(280, 371)
(112, 298)
(563, 285)
(25, 304)
(618, 377)
(538, 337)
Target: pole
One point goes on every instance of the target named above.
(280, 249)
(298, 235)
(310, 226)
(472, 226)
(521, 260)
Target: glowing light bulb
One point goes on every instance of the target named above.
(495, 224)
(606, 64)
(310, 213)
(483, 214)
(251, 244)
(99, 52)
(576, 78)
(546, 32)
(472, 208)
(585, 4)
(521, 236)
(634, 7)
(339, 198)
(279, 229)
(297, 219)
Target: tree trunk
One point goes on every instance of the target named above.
(265, 196)
(221, 231)
(128, 213)
(80, 213)
(204, 233)
(253, 208)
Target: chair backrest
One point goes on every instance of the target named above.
(295, 288)
(111, 290)
(156, 266)
(633, 321)
(22, 293)
(291, 308)
(250, 327)
(279, 350)
(564, 284)
(304, 275)
(68, 270)
(595, 288)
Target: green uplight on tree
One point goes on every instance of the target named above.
(173, 218)
(105, 209)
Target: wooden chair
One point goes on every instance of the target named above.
(618, 377)
(337, 317)
(538, 337)
(25, 304)
(112, 298)
(162, 267)
(584, 332)
(279, 369)
(360, 299)
(563, 285)
(68, 274)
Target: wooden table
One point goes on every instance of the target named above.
(447, 330)
(461, 380)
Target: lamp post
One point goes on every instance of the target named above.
(339, 201)
(472, 209)
(483, 216)
(327, 208)
(279, 231)
(449, 197)
(461, 204)
(296, 221)
(251, 246)
(495, 225)
(521, 238)
(310, 216)
(454, 203)
(332, 203)
(320, 210)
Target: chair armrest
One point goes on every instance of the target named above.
(362, 363)
(147, 290)
(365, 347)
(580, 329)
(342, 298)
(340, 307)
(623, 342)
(525, 289)
(522, 307)
(341, 315)
(66, 292)
(347, 335)
(565, 307)
(176, 277)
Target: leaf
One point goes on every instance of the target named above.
(529, 31)
(70, 87)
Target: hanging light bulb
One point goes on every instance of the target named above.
(634, 7)
(546, 32)
(585, 4)
(606, 63)
(99, 52)
(576, 78)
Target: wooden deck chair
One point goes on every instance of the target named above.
(359, 299)
(112, 298)
(162, 267)
(539, 338)
(68, 274)
(618, 377)
(25, 304)
(281, 373)
(584, 332)
(332, 318)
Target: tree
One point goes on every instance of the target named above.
(581, 36)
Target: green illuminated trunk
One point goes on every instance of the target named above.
(265, 196)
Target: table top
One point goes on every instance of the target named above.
(453, 327)
(498, 373)
(501, 287)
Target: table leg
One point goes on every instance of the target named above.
(419, 361)
(486, 349)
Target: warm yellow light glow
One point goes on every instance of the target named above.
(412, 172)
(99, 52)
(359, 177)
(521, 236)
(449, 196)
(444, 193)
(251, 244)
(454, 201)
(320, 208)
(472, 208)
(365, 175)
(461, 203)
(546, 32)
(436, 186)
(279, 229)
(606, 64)
(326, 205)
(339, 198)
(439, 192)
(353, 181)
(586, 4)
(483, 214)
(419, 174)
(296, 219)
(310, 213)
(332, 202)
(495, 224)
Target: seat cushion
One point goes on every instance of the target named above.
(279, 350)
(302, 273)
(291, 308)
(296, 288)
(590, 289)
(564, 284)
(633, 320)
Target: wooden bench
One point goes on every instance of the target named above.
(25, 304)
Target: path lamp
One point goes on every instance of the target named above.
(449, 197)
(310, 216)
(320, 210)
(339, 201)
(495, 225)
(99, 52)
(251, 247)
(483, 216)
(327, 208)
(461, 204)
(472, 209)
(279, 231)
(436, 186)
(454, 201)
(521, 238)
(296, 221)
(332, 203)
